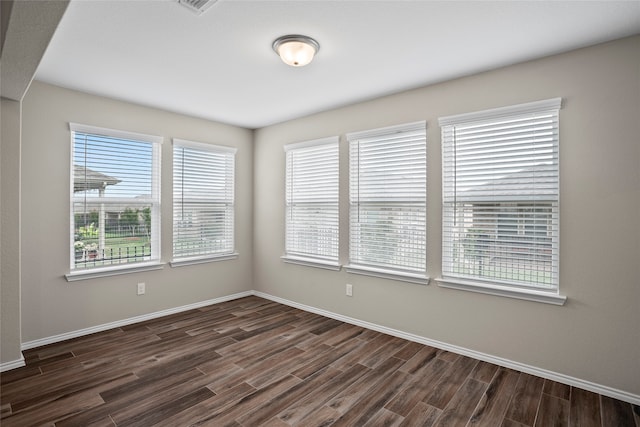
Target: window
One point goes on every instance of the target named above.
(203, 201)
(500, 197)
(387, 202)
(312, 235)
(115, 198)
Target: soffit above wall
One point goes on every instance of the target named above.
(26, 33)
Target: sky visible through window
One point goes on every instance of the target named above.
(128, 163)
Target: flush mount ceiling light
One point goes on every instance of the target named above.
(296, 50)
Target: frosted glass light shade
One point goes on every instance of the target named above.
(296, 50)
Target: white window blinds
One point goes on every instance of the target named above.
(387, 199)
(500, 194)
(115, 197)
(203, 200)
(312, 200)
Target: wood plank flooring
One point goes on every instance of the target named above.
(253, 362)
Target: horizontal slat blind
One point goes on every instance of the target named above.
(500, 194)
(203, 199)
(119, 168)
(115, 197)
(387, 196)
(312, 200)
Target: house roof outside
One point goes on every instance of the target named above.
(85, 179)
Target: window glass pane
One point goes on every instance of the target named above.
(126, 237)
(312, 200)
(108, 166)
(499, 243)
(500, 194)
(387, 194)
(115, 198)
(203, 199)
(389, 236)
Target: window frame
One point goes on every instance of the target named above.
(177, 261)
(499, 287)
(155, 261)
(399, 273)
(298, 257)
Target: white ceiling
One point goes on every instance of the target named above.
(220, 65)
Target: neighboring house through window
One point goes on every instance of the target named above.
(311, 193)
(500, 199)
(387, 202)
(115, 199)
(203, 202)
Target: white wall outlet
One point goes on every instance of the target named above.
(141, 288)
(349, 290)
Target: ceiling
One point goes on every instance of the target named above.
(220, 66)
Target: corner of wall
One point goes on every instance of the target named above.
(253, 203)
(11, 113)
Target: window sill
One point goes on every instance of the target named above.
(95, 273)
(388, 274)
(503, 291)
(311, 262)
(201, 260)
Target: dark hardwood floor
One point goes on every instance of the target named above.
(253, 362)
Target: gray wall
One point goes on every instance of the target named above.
(51, 305)
(10, 232)
(596, 335)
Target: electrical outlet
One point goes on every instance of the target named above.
(141, 288)
(349, 290)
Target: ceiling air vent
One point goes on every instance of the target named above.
(197, 6)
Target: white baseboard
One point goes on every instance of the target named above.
(99, 328)
(7, 366)
(543, 373)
